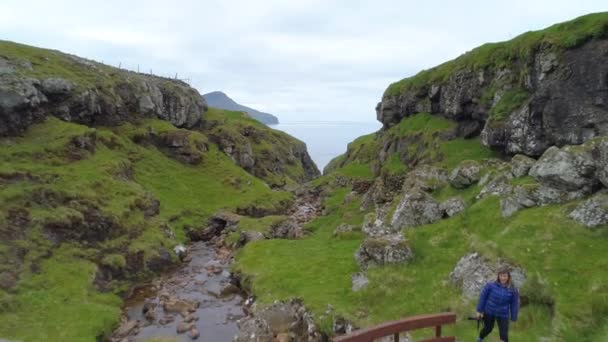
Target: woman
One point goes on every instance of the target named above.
(497, 301)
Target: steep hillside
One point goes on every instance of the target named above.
(102, 173)
(496, 158)
(220, 100)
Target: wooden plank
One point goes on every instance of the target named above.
(395, 327)
(441, 339)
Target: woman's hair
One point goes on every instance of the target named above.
(504, 270)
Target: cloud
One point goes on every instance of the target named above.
(297, 59)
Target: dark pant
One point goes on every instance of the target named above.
(488, 325)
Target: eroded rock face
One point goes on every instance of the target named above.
(592, 212)
(416, 208)
(473, 272)
(26, 100)
(563, 99)
(378, 251)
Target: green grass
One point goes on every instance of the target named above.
(536, 239)
(509, 101)
(273, 150)
(421, 122)
(421, 142)
(56, 183)
(520, 49)
(60, 304)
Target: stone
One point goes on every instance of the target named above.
(593, 212)
(191, 318)
(193, 334)
(416, 208)
(426, 177)
(126, 328)
(184, 327)
(521, 164)
(496, 185)
(360, 281)
(374, 224)
(173, 304)
(473, 272)
(286, 319)
(569, 168)
(465, 174)
(342, 229)
(453, 206)
(166, 320)
(390, 249)
(249, 236)
(180, 251)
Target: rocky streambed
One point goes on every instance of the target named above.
(202, 301)
(197, 301)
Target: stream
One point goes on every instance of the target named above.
(204, 280)
(197, 301)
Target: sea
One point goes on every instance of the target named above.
(326, 140)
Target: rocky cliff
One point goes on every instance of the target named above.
(496, 159)
(36, 83)
(540, 89)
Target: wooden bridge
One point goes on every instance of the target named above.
(394, 328)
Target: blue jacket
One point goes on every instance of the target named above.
(498, 300)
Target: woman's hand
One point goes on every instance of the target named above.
(479, 315)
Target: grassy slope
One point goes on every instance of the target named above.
(268, 145)
(566, 257)
(560, 36)
(59, 303)
(423, 132)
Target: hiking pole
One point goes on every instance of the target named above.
(479, 321)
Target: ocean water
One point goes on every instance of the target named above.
(326, 140)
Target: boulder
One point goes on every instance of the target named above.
(571, 168)
(360, 281)
(521, 164)
(497, 184)
(384, 250)
(465, 174)
(374, 224)
(426, 177)
(453, 206)
(472, 272)
(416, 208)
(593, 212)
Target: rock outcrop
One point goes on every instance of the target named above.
(100, 95)
(552, 93)
(384, 250)
(416, 208)
(593, 212)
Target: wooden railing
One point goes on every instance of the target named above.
(403, 325)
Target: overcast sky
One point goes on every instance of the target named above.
(298, 59)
